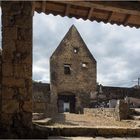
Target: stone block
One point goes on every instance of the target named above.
(137, 132)
(7, 56)
(10, 21)
(9, 33)
(13, 8)
(13, 82)
(16, 15)
(121, 110)
(10, 106)
(8, 93)
(24, 46)
(120, 132)
(27, 119)
(7, 69)
(25, 23)
(25, 93)
(22, 71)
(27, 106)
(6, 118)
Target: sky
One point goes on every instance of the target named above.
(115, 48)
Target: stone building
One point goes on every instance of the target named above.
(107, 96)
(73, 73)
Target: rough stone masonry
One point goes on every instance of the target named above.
(73, 73)
(16, 108)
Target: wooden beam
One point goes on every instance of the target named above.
(126, 19)
(90, 13)
(106, 6)
(109, 16)
(33, 8)
(44, 6)
(67, 10)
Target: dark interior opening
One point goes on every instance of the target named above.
(66, 100)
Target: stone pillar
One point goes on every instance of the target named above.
(121, 110)
(0, 81)
(17, 65)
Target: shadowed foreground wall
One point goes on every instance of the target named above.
(17, 66)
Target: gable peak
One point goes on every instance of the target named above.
(73, 28)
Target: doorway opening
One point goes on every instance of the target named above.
(66, 103)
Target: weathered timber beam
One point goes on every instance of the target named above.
(44, 6)
(67, 10)
(106, 7)
(33, 7)
(90, 13)
(109, 16)
(126, 19)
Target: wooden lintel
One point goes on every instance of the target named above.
(106, 6)
(90, 13)
(109, 16)
(33, 8)
(126, 19)
(44, 6)
(67, 10)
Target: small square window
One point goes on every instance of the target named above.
(84, 65)
(75, 50)
(67, 69)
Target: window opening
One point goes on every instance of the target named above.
(84, 65)
(67, 69)
(75, 50)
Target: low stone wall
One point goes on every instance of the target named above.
(107, 112)
(68, 131)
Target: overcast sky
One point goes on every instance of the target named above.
(115, 48)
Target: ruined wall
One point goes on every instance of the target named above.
(122, 110)
(82, 80)
(120, 92)
(107, 93)
(106, 112)
(41, 97)
(17, 66)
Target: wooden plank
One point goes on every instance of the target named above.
(90, 13)
(67, 10)
(44, 6)
(109, 16)
(126, 19)
(33, 7)
(106, 7)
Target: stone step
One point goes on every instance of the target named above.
(46, 121)
(69, 131)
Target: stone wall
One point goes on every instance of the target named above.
(17, 66)
(82, 80)
(106, 94)
(118, 92)
(121, 110)
(0, 82)
(107, 112)
(41, 97)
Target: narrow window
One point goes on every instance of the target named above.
(67, 69)
(75, 50)
(84, 65)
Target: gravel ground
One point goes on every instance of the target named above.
(88, 120)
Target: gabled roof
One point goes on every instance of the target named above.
(71, 34)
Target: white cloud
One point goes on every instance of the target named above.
(116, 48)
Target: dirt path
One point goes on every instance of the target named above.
(86, 120)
